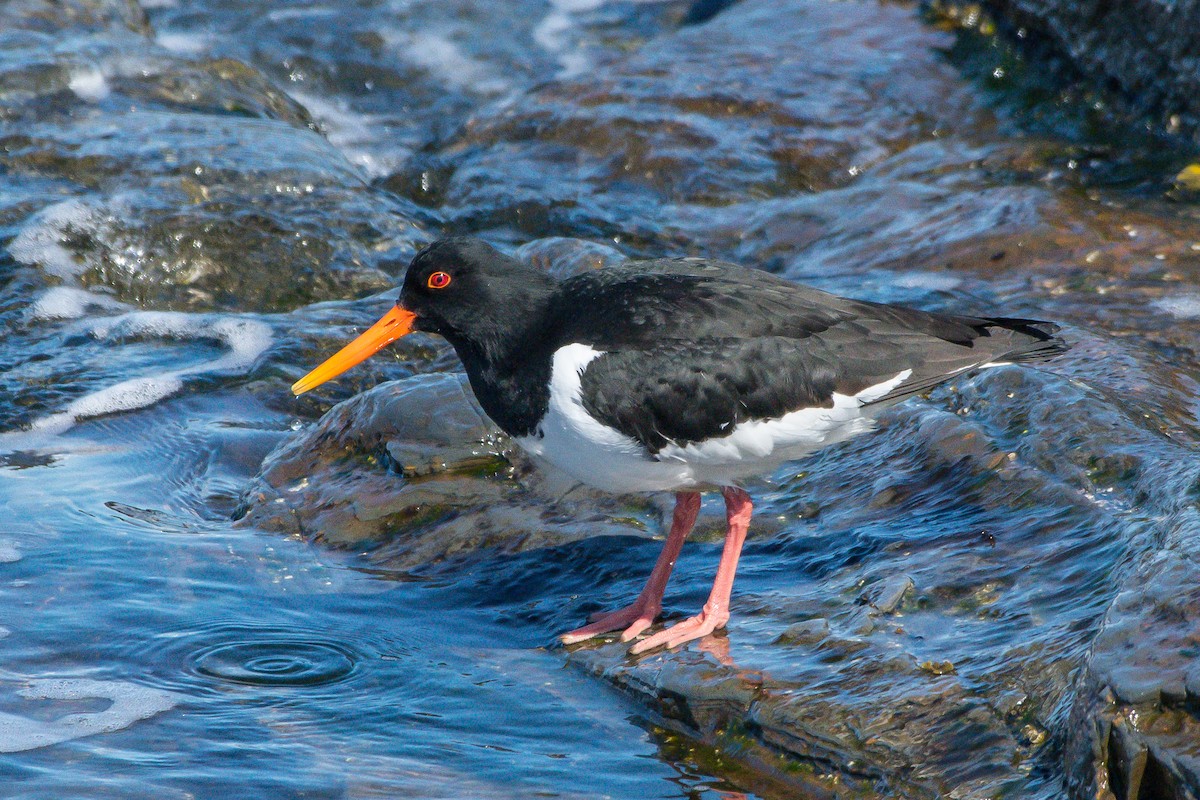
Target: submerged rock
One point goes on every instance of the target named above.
(1147, 50)
(1133, 731)
(190, 184)
(704, 118)
(414, 471)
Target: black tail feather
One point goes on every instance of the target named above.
(1034, 340)
(999, 340)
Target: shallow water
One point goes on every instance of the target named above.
(198, 201)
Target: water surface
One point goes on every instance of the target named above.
(199, 201)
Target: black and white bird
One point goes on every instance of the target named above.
(681, 375)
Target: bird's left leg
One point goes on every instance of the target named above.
(641, 614)
(715, 613)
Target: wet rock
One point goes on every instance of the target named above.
(82, 15)
(322, 467)
(1133, 729)
(808, 632)
(181, 184)
(911, 747)
(414, 470)
(386, 82)
(622, 152)
(1145, 50)
(886, 596)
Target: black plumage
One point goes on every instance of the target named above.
(691, 347)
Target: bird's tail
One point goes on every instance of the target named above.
(1030, 340)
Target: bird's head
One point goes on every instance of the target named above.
(461, 288)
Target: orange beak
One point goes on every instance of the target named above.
(396, 323)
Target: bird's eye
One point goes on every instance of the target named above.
(438, 280)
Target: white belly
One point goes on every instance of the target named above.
(595, 454)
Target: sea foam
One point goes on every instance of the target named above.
(9, 552)
(71, 302)
(1181, 306)
(41, 241)
(445, 60)
(186, 43)
(354, 133)
(245, 339)
(89, 83)
(130, 703)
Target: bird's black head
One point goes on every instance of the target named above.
(472, 294)
(485, 303)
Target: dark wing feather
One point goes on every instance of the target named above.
(684, 392)
(692, 348)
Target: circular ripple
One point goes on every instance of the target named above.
(208, 659)
(275, 663)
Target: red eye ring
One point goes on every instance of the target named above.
(438, 280)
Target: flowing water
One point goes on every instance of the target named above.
(206, 591)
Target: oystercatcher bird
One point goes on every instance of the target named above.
(680, 375)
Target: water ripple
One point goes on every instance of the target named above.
(251, 655)
(275, 663)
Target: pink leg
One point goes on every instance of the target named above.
(715, 613)
(641, 614)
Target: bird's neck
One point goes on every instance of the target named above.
(508, 361)
(502, 334)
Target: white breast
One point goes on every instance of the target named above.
(597, 455)
(589, 451)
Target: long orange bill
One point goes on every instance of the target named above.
(396, 323)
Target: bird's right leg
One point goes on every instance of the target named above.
(641, 614)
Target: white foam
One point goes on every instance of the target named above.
(1183, 306)
(89, 83)
(130, 703)
(246, 340)
(573, 64)
(930, 281)
(40, 242)
(186, 43)
(124, 396)
(576, 6)
(355, 134)
(69, 302)
(447, 62)
(9, 552)
(4, 632)
(282, 15)
(553, 34)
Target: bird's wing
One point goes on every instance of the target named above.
(639, 303)
(693, 349)
(681, 392)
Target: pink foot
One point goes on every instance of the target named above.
(634, 618)
(708, 620)
(641, 614)
(715, 613)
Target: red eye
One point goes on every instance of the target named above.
(438, 280)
